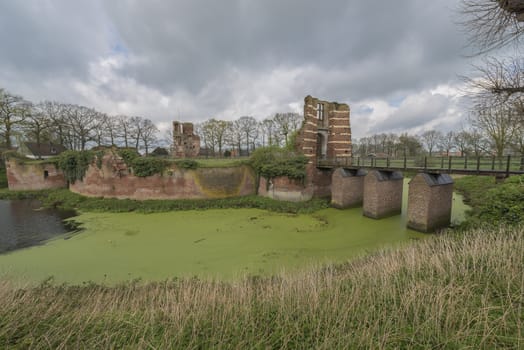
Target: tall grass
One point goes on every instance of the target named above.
(447, 292)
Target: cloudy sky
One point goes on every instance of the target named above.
(397, 63)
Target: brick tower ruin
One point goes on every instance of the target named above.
(186, 143)
(325, 133)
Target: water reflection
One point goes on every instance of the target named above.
(23, 224)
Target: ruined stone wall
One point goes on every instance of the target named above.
(174, 183)
(186, 144)
(284, 189)
(22, 176)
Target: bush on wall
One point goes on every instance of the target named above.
(147, 166)
(74, 164)
(273, 161)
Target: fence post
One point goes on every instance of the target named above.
(465, 162)
(425, 162)
(387, 162)
(492, 162)
(441, 162)
(358, 161)
(449, 163)
(405, 162)
(508, 165)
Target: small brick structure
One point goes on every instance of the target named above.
(429, 202)
(24, 176)
(383, 193)
(186, 144)
(347, 187)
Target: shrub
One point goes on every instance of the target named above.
(187, 164)
(74, 164)
(128, 155)
(147, 166)
(493, 204)
(271, 162)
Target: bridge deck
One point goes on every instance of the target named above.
(488, 166)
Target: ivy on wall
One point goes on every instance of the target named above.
(74, 164)
(271, 162)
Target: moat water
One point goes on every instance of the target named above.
(219, 243)
(23, 223)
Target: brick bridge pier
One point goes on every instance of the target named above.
(380, 193)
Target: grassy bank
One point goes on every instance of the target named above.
(68, 200)
(452, 291)
(493, 203)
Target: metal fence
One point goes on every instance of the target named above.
(485, 165)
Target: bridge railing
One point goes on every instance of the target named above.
(506, 164)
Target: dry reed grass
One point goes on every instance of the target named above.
(451, 291)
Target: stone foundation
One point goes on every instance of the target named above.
(382, 194)
(284, 189)
(347, 188)
(429, 202)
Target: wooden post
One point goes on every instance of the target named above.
(449, 163)
(478, 164)
(508, 165)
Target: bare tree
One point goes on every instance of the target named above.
(447, 142)
(248, 127)
(461, 142)
(492, 24)
(431, 139)
(148, 134)
(287, 123)
(499, 125)
(125, 126)
(497, 82)
(135, 131)
(59, 128)
(83, 122)
(235, 135)
(37, 124)
(14, 110)
(268, 131)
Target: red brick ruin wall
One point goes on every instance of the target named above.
(174, 183)
(23, 176)
(335, 128)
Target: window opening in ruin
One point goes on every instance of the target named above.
(320, 111)
(46, 174)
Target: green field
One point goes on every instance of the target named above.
(221, 243)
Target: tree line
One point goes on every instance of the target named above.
(246, 133)
(499, 141)
(73, 126)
